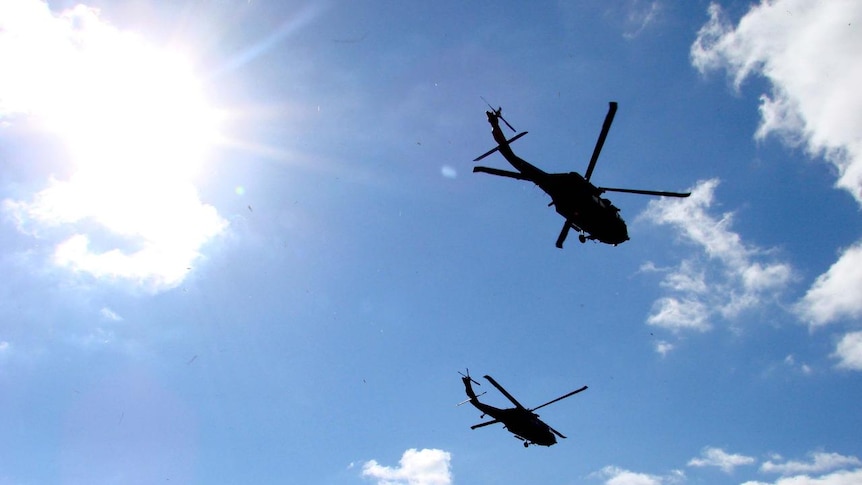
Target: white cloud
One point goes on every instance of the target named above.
(109, 314)
(136, 129)
(843, 477)
(680, 314)
(849, 351)
(835, 293)
(733, 277)
(416, 467)
(613, 475)
(819, 462)
(719, 458)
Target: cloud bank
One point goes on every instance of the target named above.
(613, 475)
(842, 477)
(821, 468)
(809, 54)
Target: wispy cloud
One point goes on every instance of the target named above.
(109, 314)
(663, 347)
(724, 278)
(809, 53)
(136, 128)
(818, 462)
(416, 467)
(716, 457)
(790, 363)
(640, 15)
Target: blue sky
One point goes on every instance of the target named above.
(242, 243)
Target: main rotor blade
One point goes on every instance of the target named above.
(609, 118)
(505, 392)
(646, 192)
(556, 432)
(486, 423)
(560, 398)
(501, 173)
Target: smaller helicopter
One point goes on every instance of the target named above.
(524, 423)
(573, 196)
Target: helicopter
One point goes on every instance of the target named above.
(573, 196)
(522, 422)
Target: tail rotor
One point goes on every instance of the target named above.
(467, 384)
(499, 114)
(467, 376)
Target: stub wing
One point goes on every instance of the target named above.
(486, 423)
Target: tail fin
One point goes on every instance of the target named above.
(468, 388)
(468, 384)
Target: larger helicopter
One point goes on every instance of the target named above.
(573, 196)
(522, 422)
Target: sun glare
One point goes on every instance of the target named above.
(138, 130)
(123, 105)
(137, 112)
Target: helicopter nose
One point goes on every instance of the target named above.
(622, 234)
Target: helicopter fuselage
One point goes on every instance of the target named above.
(582, 205)
(527, 426)
(573, 197)
(521, 422)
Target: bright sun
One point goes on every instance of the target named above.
(138, 130)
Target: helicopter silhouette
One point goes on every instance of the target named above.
(573, 196)
(522, 422)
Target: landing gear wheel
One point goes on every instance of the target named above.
(582, 238)
(526, 444)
